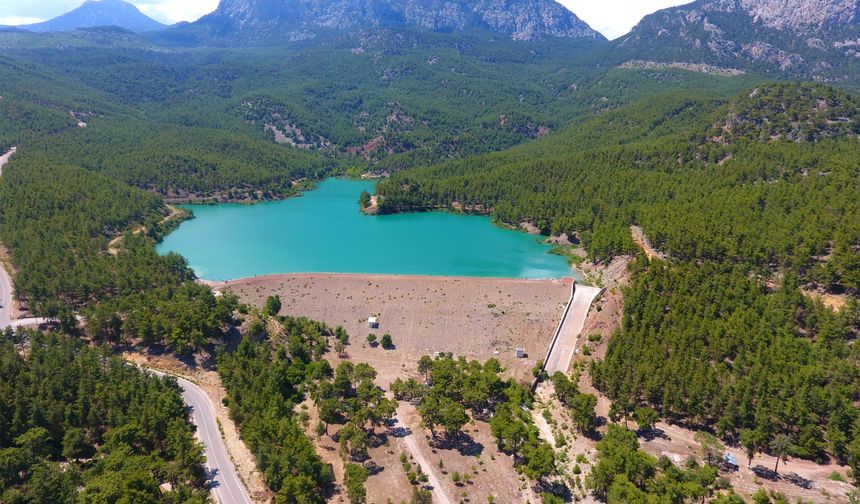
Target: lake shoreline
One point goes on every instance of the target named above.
(276, 277)
(284, 237)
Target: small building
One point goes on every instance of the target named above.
(373, 323)
(521, 353)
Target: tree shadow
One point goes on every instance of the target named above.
(373, 467)
(465, 444)
(378, 439)
(211, 481)
(557, 488)
(652, 434)
(400, 431)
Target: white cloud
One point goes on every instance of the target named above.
(174, 11)
(18, 20)
(614, 18)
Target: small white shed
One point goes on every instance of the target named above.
(521, 353)
(373, 323)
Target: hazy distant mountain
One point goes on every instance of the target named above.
(260, 20)
(99, 13)
(812, 39)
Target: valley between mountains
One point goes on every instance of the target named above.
(419, 251)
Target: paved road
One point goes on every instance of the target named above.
(6, 157)
(571, 327)
(5, 298)
(227, 487)
(5, 280)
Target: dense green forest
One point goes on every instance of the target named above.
(707, 345)
(78, 425)
(57, 221)
(623, 474)
(382, 101)
(767, 204)
(265, 382)
(182, 163)
(753, 198)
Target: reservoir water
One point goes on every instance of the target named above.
(323, 231)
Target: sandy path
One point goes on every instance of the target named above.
(640, 239)
(408, 442)
(542, 425)
(113, 245)
(5, 298)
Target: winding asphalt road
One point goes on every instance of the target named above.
(226, 485)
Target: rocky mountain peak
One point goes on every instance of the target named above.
(94, 13)
(518, 19)
(795, 14)
(816, 40)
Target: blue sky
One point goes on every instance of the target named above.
(613, 18)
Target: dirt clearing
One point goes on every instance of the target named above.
(473, 317)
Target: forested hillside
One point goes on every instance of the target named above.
(655, 163)
(752, 197)
(378, 100)
(812, 40)
(750, 189)
(96, 111)
(708, 346)
(57, 221)
(77, 425)
(264, 382)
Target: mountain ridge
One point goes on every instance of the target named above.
(816, 40)
(259, 20)
(94, 13)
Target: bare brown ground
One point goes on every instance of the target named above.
(640, 239)
(835, 302)
(490, 471)
(473, 317)
(207, 379)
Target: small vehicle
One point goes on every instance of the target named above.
(728, 463)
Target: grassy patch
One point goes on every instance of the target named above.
(569, 252)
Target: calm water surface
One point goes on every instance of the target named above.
(323, 231)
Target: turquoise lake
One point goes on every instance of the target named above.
(323, 231)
